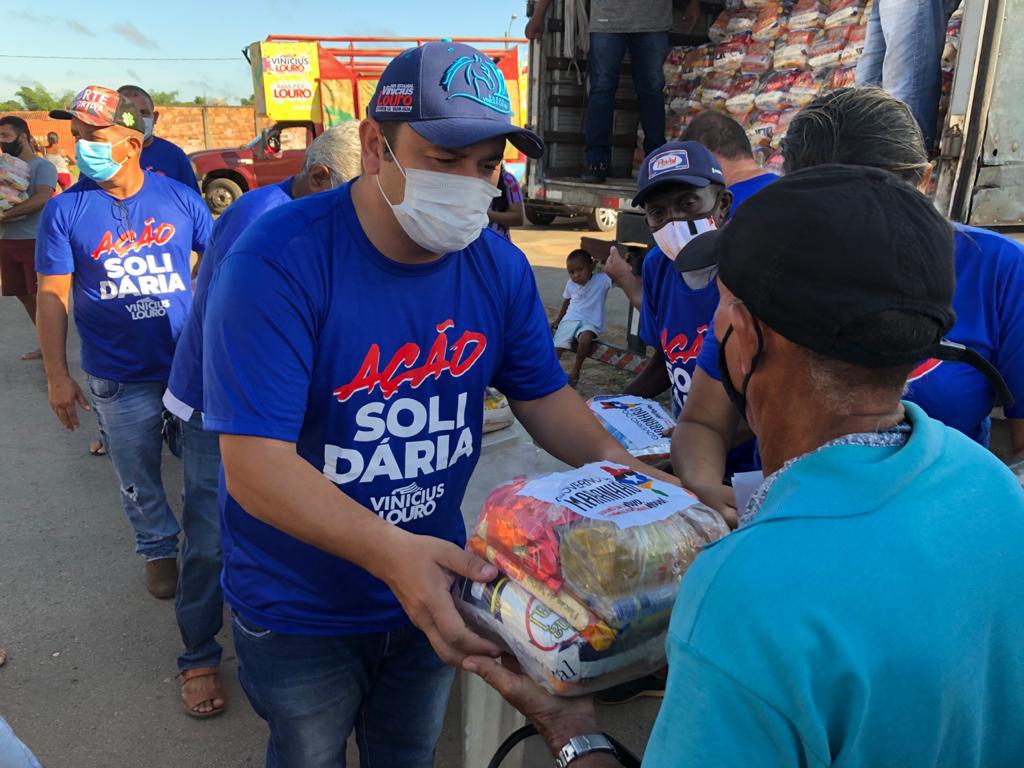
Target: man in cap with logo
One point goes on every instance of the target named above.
(876, 572)
(121, 240)
(159, 155)
(349, 340)
(682, 191)
(331, 160)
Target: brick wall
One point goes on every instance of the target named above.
(225, 127)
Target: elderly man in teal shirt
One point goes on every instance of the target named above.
(868, 611)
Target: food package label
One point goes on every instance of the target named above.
(610, 493)
(637, 423)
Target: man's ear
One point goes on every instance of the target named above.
(723, 208)
(744, 335)
(156, 116)
(319, 178)
(372, 146)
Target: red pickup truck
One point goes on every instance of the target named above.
(274, 155)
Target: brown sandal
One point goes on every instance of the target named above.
(191, 700)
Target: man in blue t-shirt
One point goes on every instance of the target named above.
(159, 155)
(348, 343)
(729, 144)
(682, 191)
(867, 611)
(331, 160)
(121, 238)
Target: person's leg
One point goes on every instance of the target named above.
(647, 53)
(130, 417)
(869, 68)
(606, 52)
(309, 690)
(200, 606)
(18, 279)
(915, 33)
(584, 341)
(401, 720)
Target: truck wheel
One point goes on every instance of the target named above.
(538, 217)
(220, 193)
(602, 219)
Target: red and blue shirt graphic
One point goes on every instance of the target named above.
(675, 319)
(377, 371)
(130, 259)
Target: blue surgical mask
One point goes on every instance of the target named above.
(147, 122)
(96, 159)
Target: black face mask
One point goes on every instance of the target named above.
(11, 147)
(738, 397)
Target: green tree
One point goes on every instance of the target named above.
(164, 98)
(11, 106)
(36, 98)
(247, 101)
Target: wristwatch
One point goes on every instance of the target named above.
(579, 746)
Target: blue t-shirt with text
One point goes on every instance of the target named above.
(377, 371)
(130, 258)
(742, 190)
(989, 319)
(170, 160)
(675, 319)
(186, 380)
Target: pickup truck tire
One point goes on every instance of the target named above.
(602, 219)
(220, 193)
(540, 218)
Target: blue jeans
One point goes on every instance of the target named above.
(647, 55)
(13, 752)
(314, 689)
(903, 53)
(130, 419)
(200, 604)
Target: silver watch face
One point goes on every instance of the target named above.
(582, 745)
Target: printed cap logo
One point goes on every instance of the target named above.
(477, 79)
(676, 160)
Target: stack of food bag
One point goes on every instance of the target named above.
(637, 423)
(591, 561)
(497, 411)
(767, 59)
(14, 180)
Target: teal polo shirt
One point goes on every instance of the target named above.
(871, 615)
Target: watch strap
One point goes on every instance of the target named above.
(578, 746)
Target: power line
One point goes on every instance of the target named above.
(111, 58)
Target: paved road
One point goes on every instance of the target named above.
(89, 681)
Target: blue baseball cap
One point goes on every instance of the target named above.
(677, 162)
(452, 95)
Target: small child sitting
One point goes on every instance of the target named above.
(581, 319)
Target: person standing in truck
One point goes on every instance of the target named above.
(617, 26)
(159, 155)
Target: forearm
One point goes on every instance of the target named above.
(633, 287)
(52, 328)
(698, 454)
(1016, 440)
(563, 425)
(27, 207)
(511, 218)
(540, 10)
(298, 499)
(562, 311)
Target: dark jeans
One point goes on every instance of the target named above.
(314, 689)
(200, 605)
(647, 52)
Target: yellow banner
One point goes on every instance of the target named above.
(285, 76)
(337, 101)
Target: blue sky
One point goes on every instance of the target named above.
(192, 29)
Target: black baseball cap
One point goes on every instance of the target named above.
(452, 95)
(99, 106)
(822, 248)
(677, 162)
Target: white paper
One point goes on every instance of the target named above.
(743, 485)
(610, 492)
(636, 422)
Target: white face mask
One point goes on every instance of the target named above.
(674, 236)
(147, 123)
(441, 212)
